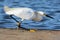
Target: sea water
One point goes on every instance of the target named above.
(50, 7)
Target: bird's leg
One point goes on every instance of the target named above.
(19, 25)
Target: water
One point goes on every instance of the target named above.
(50, 7)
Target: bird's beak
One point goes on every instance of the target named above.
(48, 16)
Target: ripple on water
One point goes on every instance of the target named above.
(1, 0)
(50, 7)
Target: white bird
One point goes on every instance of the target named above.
(25, 13)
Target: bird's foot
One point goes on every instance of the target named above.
(31, 30)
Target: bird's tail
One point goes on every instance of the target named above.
(6, 8)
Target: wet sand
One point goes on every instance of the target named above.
(9, 34)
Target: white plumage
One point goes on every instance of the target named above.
(24, 13)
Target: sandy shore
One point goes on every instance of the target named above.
(8, 34)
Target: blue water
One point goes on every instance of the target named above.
(50, 7)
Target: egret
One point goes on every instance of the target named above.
(25, 13)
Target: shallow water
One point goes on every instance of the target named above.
(50, 7)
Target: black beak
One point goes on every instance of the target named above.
(48, 16)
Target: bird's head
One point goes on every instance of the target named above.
(40, 13)
(43, 14)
